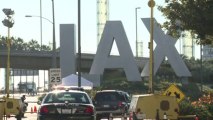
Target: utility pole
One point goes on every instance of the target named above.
(151, 4)
(54, 43)
(79, 43)
(8, 22)
(41, 24)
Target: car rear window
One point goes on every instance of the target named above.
(71, 97)
(107, 96)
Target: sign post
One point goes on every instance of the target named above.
(55, 76)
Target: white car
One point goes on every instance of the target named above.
(66, 105)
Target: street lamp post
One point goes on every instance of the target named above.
(8, 22)
(54, 48)
(41, 23)
(39, 17)
(151, 4)
(54, 44)
(136, 26)
(79, 43)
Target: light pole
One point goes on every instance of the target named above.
(54, 50)
(151, 4)
(39, 17)
(8, 22)
(136, 26)
(79, 43)
(54, 44)
(41, 23)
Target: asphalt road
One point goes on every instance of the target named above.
(32, 108)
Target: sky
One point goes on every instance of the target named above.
(66, 13)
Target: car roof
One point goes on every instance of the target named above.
(67, 87)
(58, 91)
(111, 91)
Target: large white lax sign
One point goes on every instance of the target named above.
(165, 48)
(114, 31)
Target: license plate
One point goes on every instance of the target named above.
(106, 106)
(74, 110)
(66, 111)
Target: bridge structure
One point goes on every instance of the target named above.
(38, 60)
(42, 60)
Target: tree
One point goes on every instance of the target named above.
(3, 43)
(19, 44)
(190, 15)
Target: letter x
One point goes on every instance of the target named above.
(165, 48)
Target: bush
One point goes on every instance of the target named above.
(203, 107)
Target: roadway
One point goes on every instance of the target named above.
(32, 108)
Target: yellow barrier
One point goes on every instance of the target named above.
(1, 108)
(10, 106)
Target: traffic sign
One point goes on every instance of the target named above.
(173, 90)
(55, 76)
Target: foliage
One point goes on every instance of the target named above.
(191, 90)
(117, 80)
(202, 110)
(187, 109)
(204, 106)
(165, 71)
(190, 15)
(19, 44)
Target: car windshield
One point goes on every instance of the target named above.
(63, 97)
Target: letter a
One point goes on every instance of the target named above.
(114, 31)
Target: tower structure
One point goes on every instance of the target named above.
(207, 52)
(102, 16)
(188, 44)
(140, 48)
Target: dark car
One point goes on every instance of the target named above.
(114, 102)
(66, 105)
